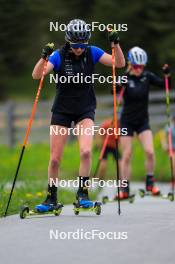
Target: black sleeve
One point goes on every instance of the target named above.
(155, 80)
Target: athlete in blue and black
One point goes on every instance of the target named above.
(74, 101)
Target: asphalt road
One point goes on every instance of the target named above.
(148, 227)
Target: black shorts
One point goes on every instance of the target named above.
(112, 151)
(66, 119)
(135, 127)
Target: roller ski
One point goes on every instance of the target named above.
(83, 204)
(130, 198)
(49, 206)
(152, 190)
(124, 195)
(41, 210)
(169, 196)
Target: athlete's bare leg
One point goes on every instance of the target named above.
(126, 145)
(57, 143)
(146, 139)
(85, 145)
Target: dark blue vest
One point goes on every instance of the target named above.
(74, 98)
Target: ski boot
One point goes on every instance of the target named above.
(49, 206)
(150, 185)
(124, 195)
(83, 203)
(150, 188)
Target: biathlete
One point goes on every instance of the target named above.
(135, 117)
(74, 101)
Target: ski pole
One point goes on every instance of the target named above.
(115, 119)
(107, 136)
(169, 131)
(27, 134)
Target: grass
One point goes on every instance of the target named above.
(32, 178)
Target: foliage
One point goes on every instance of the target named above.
(24, 27)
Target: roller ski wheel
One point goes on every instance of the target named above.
(142, 193)
(39, 210)
(24, 211)
(95, 207)
(171, 197)
(131, 198)
(57, 209)
(105, 199)
(76, 209)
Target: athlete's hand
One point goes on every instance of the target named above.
(166, 69)
(47, 50)
(113, 36)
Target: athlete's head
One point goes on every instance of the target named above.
(137, 59)
(77, 35)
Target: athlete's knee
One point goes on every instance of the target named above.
(103, 163)
(126, 156)
(149, 154)
(85, 153)
(54, 163)
(102, 167)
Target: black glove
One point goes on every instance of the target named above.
(166, 69)
(113, 36)
(47, 51)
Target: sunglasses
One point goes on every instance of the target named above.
(78, 45)
(137, 67)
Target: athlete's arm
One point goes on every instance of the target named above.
(106, 58)
(38, 69)
(156, 80)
